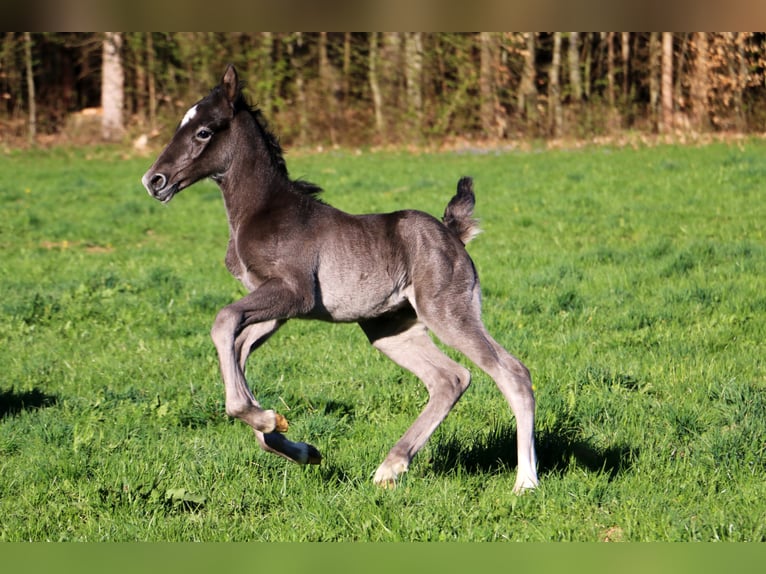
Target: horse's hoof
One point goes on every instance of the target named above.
(280, 423)
(387, 473)
(525, 484)
(314, 456)
(389, 484)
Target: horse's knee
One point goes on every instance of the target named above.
(523, 379)
(521, 371)
(463, 379)
(520, 391)
(224, 326)
(454, 382)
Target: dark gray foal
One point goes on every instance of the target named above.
(399, 275)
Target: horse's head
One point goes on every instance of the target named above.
(198, 148)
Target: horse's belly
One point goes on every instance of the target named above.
(362, 299)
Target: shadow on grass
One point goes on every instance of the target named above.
(332, 473)
(13, 402)
(556, 450)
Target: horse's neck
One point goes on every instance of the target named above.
(250, 182)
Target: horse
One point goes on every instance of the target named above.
(399, 276)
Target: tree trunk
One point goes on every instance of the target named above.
(390, 78)
(554, 102)
(136, 41)
(527, 100)
(151, 85)
(413, 50)
(486, 84)
(112, 88)
(300, 90)
(586, 81)
(625, 37)
(742, 80)
(574, 67)
(32, 134)
(666, 118)
(324, 62)
(266, 45)
(700, 84)
(377, 98)
(680, 59)
(614, 119)
(610, 68)
(8, 79)
(654, 76)
(346, 65)
(327, 79)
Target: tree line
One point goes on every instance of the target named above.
(393, 87)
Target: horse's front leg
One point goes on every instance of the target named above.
(250, 339)
(230, 336)
(238, 329)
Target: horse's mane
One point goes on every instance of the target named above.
(273, 147)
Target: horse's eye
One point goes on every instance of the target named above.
(204, 134)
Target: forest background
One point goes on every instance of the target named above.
(397, 88)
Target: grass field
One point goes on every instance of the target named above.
(630, 281)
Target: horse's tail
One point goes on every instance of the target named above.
(458, 216)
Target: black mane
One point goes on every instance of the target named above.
(274, 149)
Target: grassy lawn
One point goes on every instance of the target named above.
(630, 281)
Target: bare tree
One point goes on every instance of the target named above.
(654, 75)
(700, 83)
(682, 41)
(666, 118)
(486, 83)
(587, 58)
(377, 98)
(391, 71)
(625, 49)
(346, 65)
(266, 71)
(527, 99)
(613, 114)
(136, 42)
(293, 48)
(112, 88)
(151, 82)
(328, 81)
(610, 68)
(554, 100)
(575, 80)
(741, 75)
(30, 88)
(413, 53)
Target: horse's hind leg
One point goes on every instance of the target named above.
(466, 333)
(405, 340)
(514, 381)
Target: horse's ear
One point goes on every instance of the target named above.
(230, 84)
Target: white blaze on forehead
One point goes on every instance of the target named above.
(189, 115)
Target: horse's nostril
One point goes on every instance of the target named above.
(158, 182)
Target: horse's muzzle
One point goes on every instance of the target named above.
(157, 186)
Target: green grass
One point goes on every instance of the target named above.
(631, 282)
